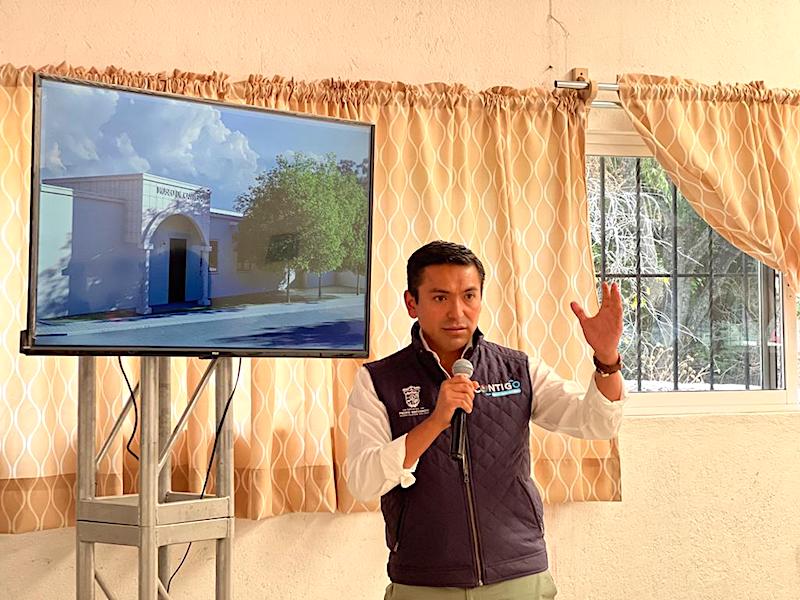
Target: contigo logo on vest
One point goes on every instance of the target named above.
(411, 394)
(512, 386)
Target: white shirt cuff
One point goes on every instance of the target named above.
(393, 455)
(601, 401)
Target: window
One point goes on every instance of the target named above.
(242, 264)
(213, 256)
(698, 313)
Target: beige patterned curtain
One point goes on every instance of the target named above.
(734, 152)
(501, 171)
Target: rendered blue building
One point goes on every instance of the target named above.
(139, 243)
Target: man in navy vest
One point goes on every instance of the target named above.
(469, 528)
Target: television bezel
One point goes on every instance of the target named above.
(28, 343)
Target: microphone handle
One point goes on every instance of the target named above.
(457, 440)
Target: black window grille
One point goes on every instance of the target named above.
(698, 313)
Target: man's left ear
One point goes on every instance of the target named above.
(411, 304)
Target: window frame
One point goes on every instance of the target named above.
(243, 265)
(630, 144)
(213, 265)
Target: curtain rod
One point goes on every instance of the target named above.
(603, 87)
(580, 85)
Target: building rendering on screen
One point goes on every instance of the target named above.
(140, 243)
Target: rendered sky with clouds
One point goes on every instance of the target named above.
(92, 131)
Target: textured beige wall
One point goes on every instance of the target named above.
(710, 502)
(477, 42)
(709, 511)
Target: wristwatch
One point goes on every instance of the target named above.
(605, 370)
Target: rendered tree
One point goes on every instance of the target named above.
(355, 241)
(306, 200)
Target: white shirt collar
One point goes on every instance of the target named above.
(438, 360)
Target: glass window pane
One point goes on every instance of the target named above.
(656, 334)
(656, 222)
(693, 334)
(692, 240)
(594, 196)
(754, 331)
(620, 186)
(772, 327)
(628, 342)
(726, 258)
(729, 340)
(751, 264)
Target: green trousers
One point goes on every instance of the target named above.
(530, 587)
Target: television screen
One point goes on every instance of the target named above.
(167, 225)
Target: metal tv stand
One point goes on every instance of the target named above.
(155, 517)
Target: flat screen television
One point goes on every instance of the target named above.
(167, 225)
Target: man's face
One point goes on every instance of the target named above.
(448, 306)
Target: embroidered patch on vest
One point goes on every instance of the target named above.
(412, 401)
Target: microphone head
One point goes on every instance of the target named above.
(463, 367)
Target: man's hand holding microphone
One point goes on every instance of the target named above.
(453, 404)
(457, 392)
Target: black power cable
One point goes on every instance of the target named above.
(210, 464)
(135, 410)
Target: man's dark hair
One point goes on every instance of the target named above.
(439, 253)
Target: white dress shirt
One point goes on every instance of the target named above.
(374, 463)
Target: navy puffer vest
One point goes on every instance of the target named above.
(469, 524)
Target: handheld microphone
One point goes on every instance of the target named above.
(459, 423)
